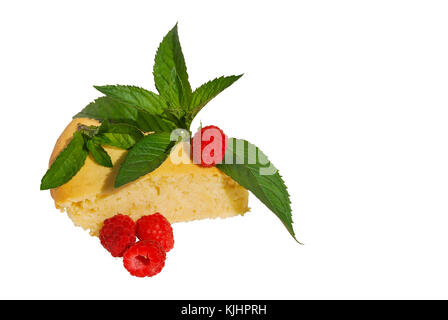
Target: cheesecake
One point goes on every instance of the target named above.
(180, 190)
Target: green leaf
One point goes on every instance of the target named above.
(104, 127)
(206, 92)
(250, 167)
(170, 72)
(117, 111)
(157, 123)
(141, 98)
(118, 135)
(99, 154)
(147, 155)
(67, 163)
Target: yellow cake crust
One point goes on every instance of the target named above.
(180, 191)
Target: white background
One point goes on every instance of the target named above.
(348, 99)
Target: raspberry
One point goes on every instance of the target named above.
(209, 146)
(156, 227)
(117, 234)
(144, 259)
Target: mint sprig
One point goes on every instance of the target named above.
(89, 139)
(176, 104)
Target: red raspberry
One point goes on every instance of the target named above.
(144, 259)
(118, 234)
(209, 146)
(156, 227)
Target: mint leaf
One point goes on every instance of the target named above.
(99, 154)
(147, 155)
(141, 98)
(118, 135)
(246, 168)
(67, 163)
(108, 108)
(170, 72)
(210, 89)
(117, 111)
(206, 92)
(157, 123)
(104, 127)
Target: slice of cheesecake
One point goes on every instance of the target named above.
(180, 191)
